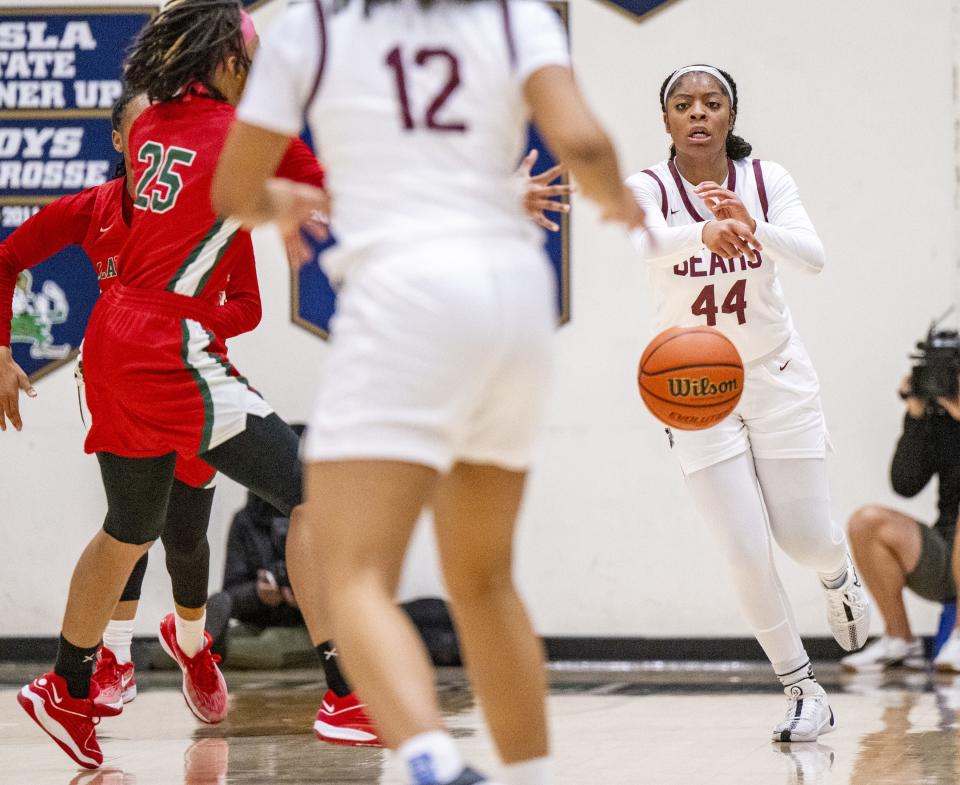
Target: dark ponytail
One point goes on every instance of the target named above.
(737, 146)
(183, 44)
(116, 120)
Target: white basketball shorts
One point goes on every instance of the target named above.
(779, 415)
(438, 354)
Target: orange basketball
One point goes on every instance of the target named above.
(690, 377)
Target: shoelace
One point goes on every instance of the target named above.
(205, 672)
(837, 605)
(107, 675)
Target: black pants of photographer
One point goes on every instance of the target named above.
(220, 609)
(432, 619)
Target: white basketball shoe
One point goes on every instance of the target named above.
(887, 652)
(948, 658)
(808, 713)
(848, 610)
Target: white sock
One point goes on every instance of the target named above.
(538, 771)
(190, 634)
(117, 637)
(834, 580)
(431, 757)
(794, 671)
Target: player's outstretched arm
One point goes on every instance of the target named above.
(249, 158)
(244, 187)
(573, 133)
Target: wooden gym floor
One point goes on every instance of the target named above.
(660, 724)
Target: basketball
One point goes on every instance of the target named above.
(690, 377)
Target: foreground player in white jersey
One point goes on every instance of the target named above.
(714, 253)
(441, 348)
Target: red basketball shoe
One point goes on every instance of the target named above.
(204, 688)
(70, 722)
(345, 721)
(115, 681)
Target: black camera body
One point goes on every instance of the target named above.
(936, 366)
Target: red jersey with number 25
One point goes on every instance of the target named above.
(177, 243)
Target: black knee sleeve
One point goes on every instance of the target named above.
(185, 542)
(264, 458)
(137, 492)
(131, 592)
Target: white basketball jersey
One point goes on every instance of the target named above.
(742, 299)
(418, 115)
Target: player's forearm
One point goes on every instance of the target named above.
(238, 316)
(251, 207)
(667, 245)
(593, 162)
(799, 246)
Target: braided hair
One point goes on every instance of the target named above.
(737, 146)
(116, 120)
(183, 45)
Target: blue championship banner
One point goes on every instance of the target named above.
(59, 76)
(313, 299)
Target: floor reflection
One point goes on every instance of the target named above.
(806, 763)
(632, 726)
(917, 743)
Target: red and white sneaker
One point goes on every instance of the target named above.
(345, 721)
(70, 722)
(115, 682)
(204, 688)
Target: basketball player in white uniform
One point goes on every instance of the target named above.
(440, 352)
(720, 226)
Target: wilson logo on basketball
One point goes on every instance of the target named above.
(690, 377)
(685, 387)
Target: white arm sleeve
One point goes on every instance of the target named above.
(538, 36)
(788, 231)
(659, 243)
(284, 72)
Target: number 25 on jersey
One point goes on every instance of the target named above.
(160, 184)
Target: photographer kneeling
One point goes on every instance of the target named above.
(892, 550)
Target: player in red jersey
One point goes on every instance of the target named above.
(98, 220)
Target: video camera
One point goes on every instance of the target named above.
(936, 364)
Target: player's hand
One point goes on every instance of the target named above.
(540, 196)
(298, 208)
(725, 204)
(731, 238)
(951, 406)
(288, 597)
(267, 590)
(12, 381)
(916, 407)
(626, 211)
